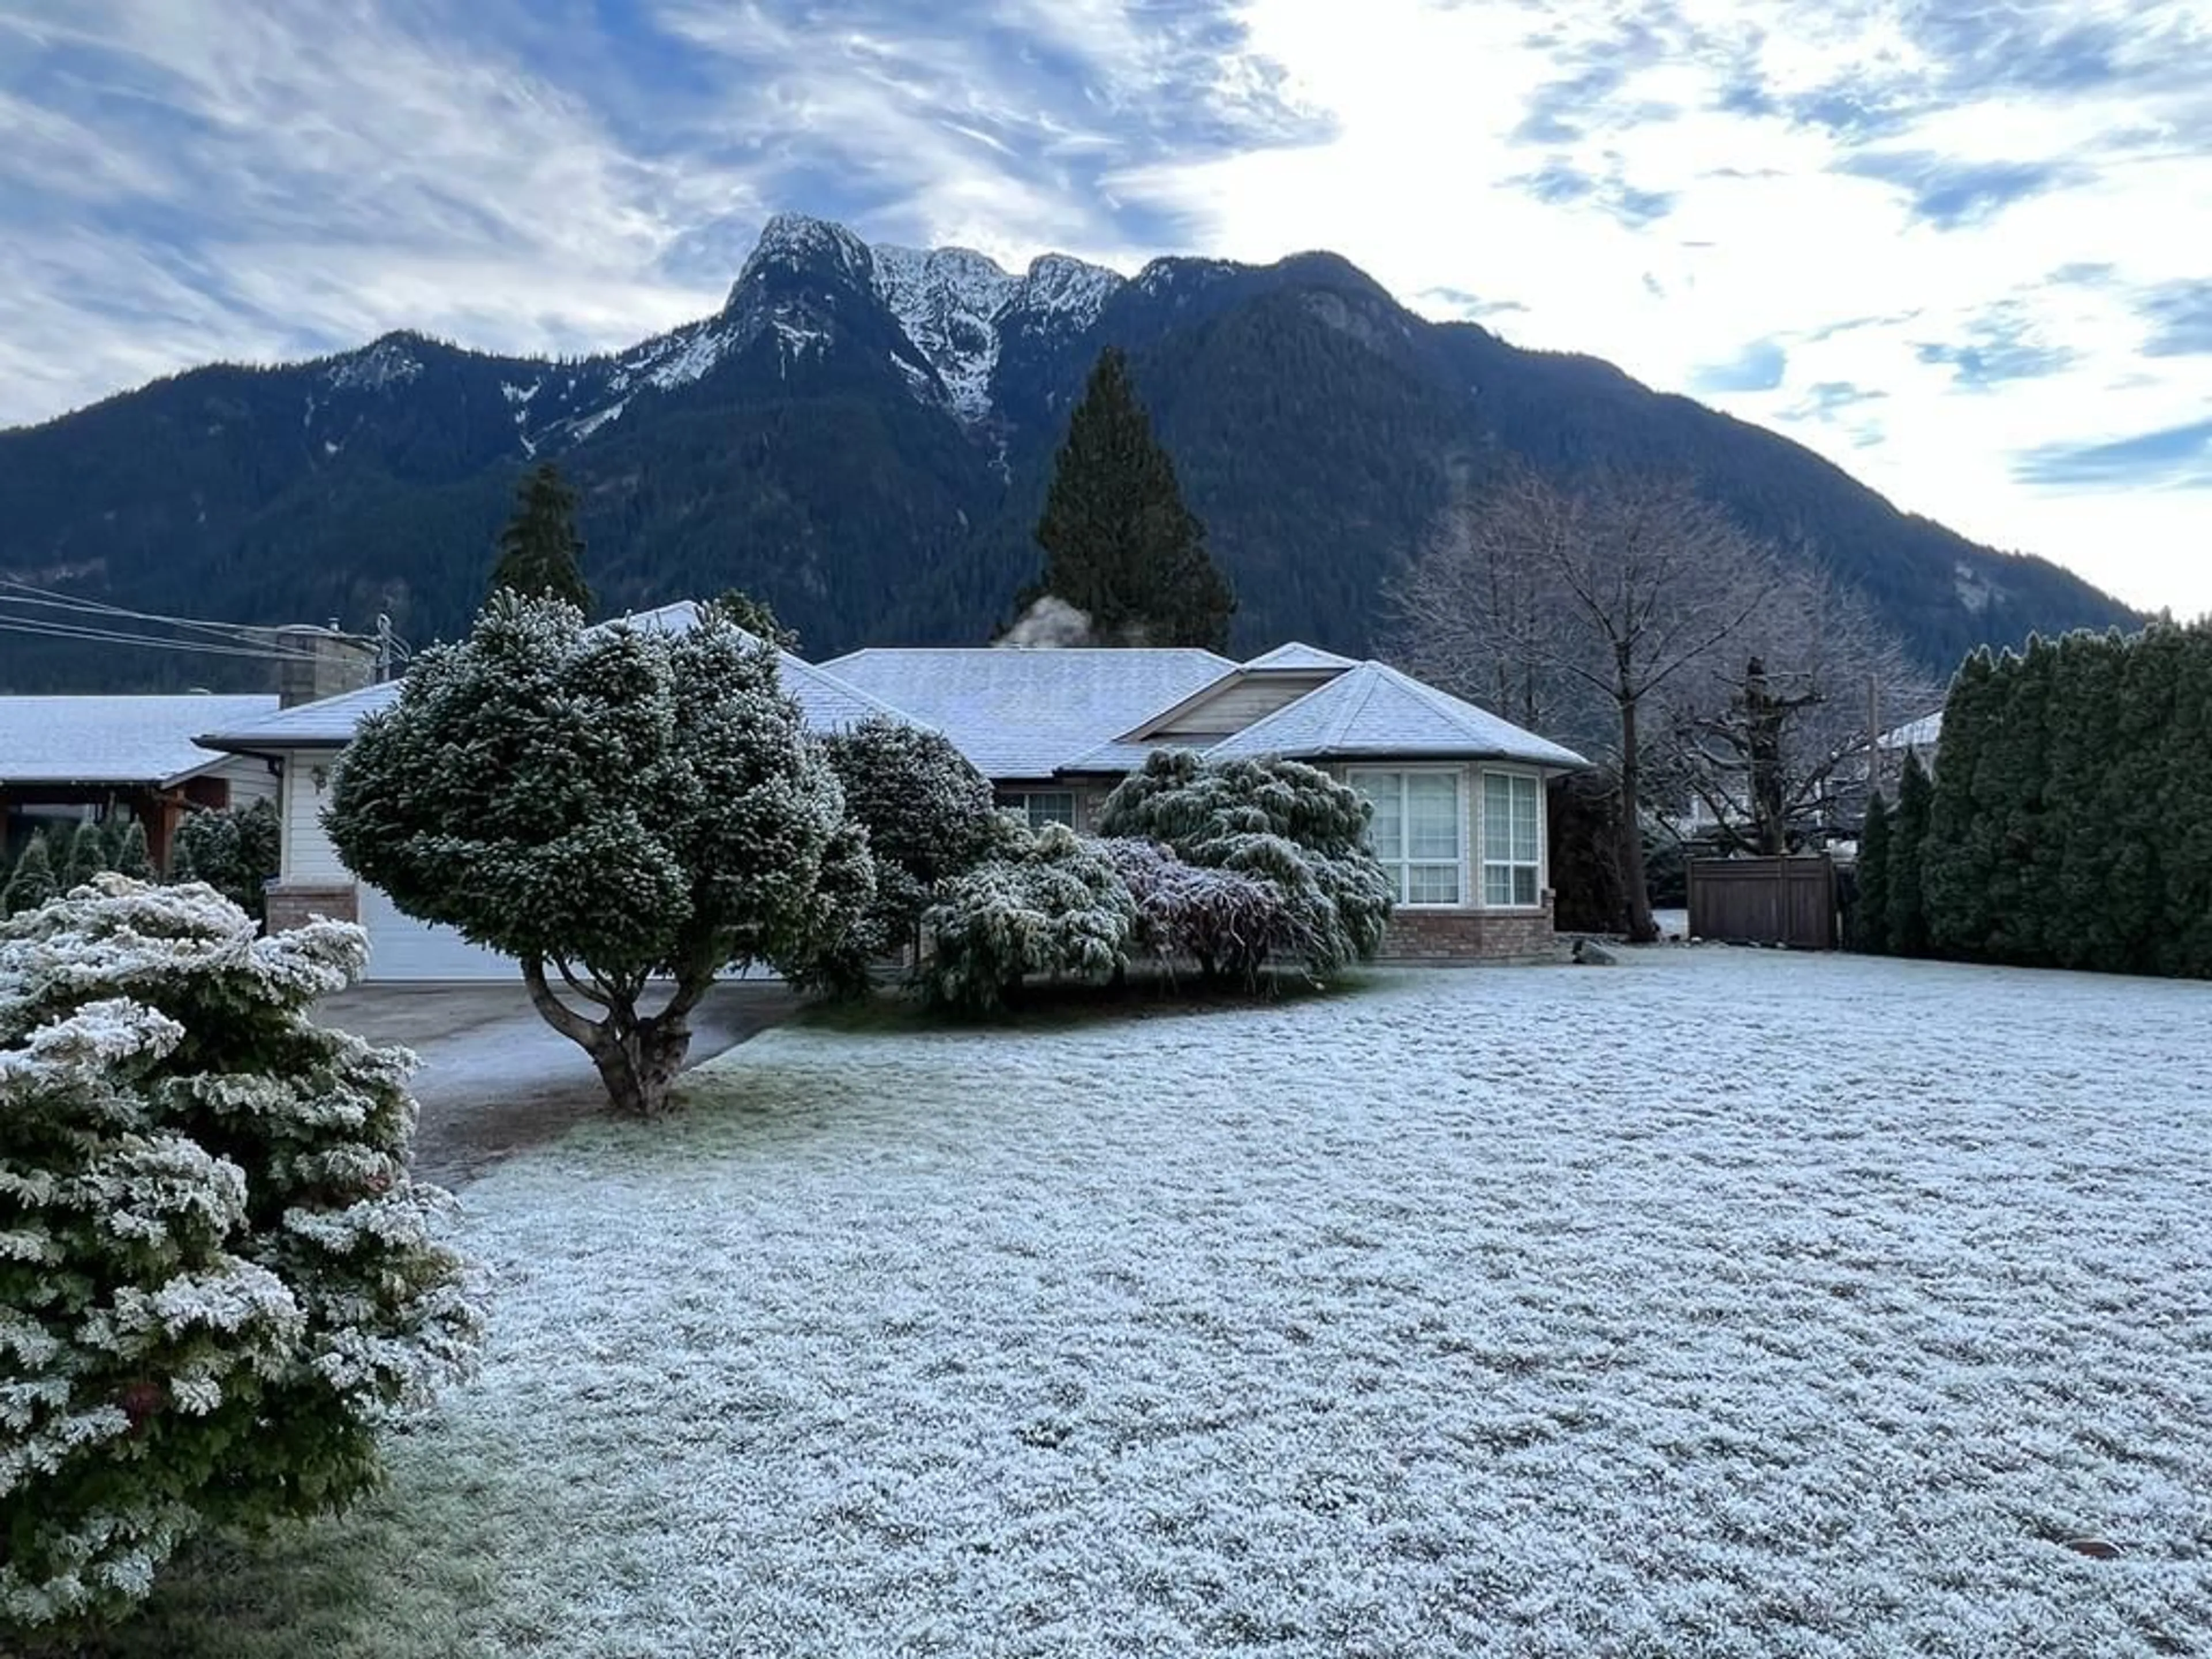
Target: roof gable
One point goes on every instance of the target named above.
(1372, 710)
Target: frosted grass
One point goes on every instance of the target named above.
(1723, 1303)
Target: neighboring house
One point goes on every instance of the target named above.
(68, 759)
(1459, 792)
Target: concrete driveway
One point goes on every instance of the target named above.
(495, 1079)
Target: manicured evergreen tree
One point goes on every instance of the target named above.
(32, 881)
(220, 1280)
(1871, 917)
(1119, 544)
(540, 555)
(87, 856)
(2077, 929)
(235, 850)
(2130, 799)
(609, 806)
(1948, 872)
(929, 813)
(131, 857)
(1906, 923)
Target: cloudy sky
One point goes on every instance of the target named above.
(1961, 247)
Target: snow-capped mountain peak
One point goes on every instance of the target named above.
(948, 299)
(795, 242)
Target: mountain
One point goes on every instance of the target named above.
(862, 436)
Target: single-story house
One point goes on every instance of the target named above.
(1459, 792)
(65, 759)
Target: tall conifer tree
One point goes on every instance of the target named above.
(540, 555)
(1119, 544)
(1873, 909)
(1907, 926)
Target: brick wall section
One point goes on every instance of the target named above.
(291, 906)
(1470, 935)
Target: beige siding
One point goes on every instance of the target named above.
(307, 856)
(1235, 706)
(250, 780)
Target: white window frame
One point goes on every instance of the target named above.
(1026, 801)
(1400, 865)
(1487, 863)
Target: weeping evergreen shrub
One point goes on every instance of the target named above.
(1045, 903)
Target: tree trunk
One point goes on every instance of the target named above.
(639, 1065)
(638, 1056)
(1641, 929)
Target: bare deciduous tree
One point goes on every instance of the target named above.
(1765, 744)
(1550, 599)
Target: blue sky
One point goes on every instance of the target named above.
(1962, 248)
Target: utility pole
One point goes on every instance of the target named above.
(1874, 741)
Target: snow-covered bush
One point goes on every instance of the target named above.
(234, 850)
(1045, 902)
(929, 815)
(1224, 920)
(1280, 822)
(216, 1278)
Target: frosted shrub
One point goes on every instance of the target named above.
(1225, 921)
(217, 1279)
(1280, 822)
(928, 814)
(1045, 902)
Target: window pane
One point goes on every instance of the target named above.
(1527, 817)
(1431, 815)
(1497, 883)
(1524, 884)
(1432, 883)
(1051, 806)
(1387, 828)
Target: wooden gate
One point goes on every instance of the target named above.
(1787, 901)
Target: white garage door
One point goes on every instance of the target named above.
(400, 947)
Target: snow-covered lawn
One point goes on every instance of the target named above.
(1724, 1302)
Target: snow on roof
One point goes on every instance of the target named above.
(123, 739)
(1030, 714)
(1373, 709)
(1921, 733)
(1298, 655)
(831, 705)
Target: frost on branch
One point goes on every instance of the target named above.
(1046, 902)
(1280, 822)
(1225, 921)
(216, 1278)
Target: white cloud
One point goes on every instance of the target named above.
(1764, 241)
(255, 178)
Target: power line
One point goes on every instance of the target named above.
(24, 593)
(109, 637)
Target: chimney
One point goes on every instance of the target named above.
(319, 662)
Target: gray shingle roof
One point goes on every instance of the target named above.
(137, 740)
(1374, 710)
(1031, 714)
(829, 704)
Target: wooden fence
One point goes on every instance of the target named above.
(1788, 901)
